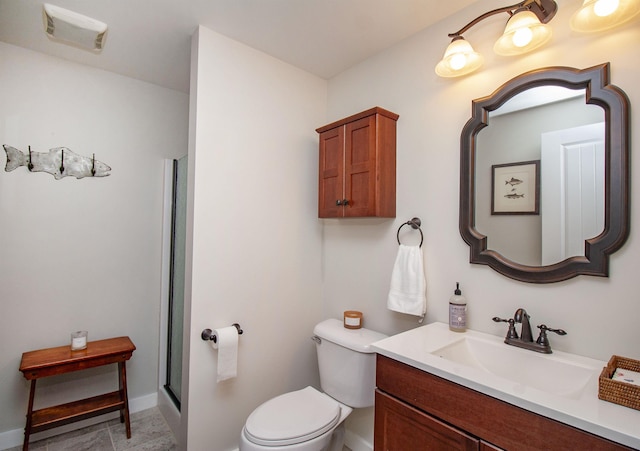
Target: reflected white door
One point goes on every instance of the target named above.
(571, 190)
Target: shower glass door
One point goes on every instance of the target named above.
(176, 281)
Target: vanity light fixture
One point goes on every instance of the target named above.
(599, 15)
(526, 30)
(73, 28)
(459, 59)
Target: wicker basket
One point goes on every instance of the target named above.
(618, 392)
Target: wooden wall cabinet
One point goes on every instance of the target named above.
(357, 170)
(416, 411)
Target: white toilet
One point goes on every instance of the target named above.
(308, 420)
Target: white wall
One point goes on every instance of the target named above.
(256, 254)
(81, 254)
(599, 314)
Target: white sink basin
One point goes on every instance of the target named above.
(549, 373)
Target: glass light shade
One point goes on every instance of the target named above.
(524, 32)
(599, 15)
(459, 59)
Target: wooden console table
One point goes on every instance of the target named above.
(60, 360)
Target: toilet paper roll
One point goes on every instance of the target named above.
(226, 342)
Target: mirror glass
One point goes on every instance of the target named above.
(554, 127)
(544, 183)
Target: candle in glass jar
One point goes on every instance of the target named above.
(79, 340)
(352, 319)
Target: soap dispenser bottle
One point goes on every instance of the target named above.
(457, 311)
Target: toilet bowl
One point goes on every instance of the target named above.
(311, 420)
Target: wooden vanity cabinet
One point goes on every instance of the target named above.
(357, 170)
(416, 410)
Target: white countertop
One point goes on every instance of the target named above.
(617, 423)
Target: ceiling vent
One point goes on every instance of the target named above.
(74, 28)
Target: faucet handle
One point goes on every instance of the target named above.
(544, 328)
(542, 338)
(511, 333)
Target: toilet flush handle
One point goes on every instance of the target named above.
(317, 339)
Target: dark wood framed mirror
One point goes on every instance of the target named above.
(607, 159)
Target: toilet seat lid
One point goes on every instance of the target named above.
(292, 418)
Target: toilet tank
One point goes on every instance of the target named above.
(347, 363)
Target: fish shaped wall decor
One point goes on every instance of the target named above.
(59, 162)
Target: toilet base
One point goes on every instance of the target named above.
(337, 439)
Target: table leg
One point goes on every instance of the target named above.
(27, 428)
(124, 413)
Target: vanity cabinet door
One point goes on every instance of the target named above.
(357, 166)
(400, 427)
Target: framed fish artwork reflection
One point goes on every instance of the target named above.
(515, 188)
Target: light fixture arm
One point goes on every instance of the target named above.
(543, 9)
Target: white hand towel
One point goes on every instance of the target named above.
(408, 284)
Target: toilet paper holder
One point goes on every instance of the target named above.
(207, 334)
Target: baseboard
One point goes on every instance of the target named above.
(15, 437)
(356, 443)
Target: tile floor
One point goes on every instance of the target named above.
(149, 431)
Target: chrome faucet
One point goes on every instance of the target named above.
(526, 338)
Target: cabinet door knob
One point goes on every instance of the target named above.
(338, 202)
(345, 202)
